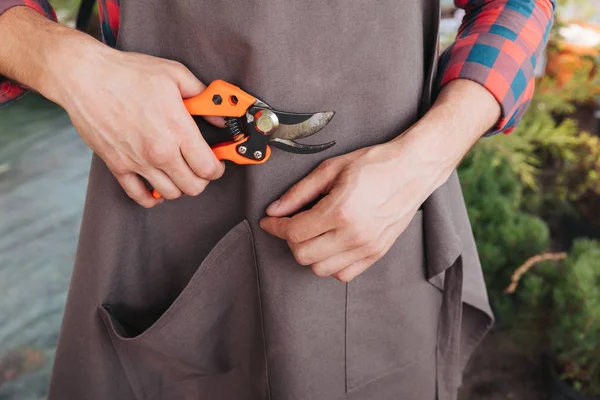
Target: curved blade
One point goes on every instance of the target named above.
(308, 124)
(299, 148)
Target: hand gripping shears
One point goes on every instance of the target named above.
(253, 125)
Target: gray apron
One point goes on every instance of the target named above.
(192, 300)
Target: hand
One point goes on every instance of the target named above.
(371, 195)
(128, 108)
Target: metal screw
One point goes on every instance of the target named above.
(258, 154)
(217, 100)
(242, 149)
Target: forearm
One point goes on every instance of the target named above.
(39, 53)
(462, 113)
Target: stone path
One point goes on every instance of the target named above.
(43, 174)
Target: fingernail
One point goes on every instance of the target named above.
(274, 206)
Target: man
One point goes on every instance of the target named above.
(198, 298)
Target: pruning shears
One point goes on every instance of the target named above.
(253, 126)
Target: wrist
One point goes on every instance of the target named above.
(69, 65)
(463, 112)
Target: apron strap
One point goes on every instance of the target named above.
(449, 328)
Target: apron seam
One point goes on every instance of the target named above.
(262, 317)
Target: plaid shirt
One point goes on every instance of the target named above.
(498, 45)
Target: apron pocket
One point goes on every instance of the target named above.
(392, 313)
(209, 344)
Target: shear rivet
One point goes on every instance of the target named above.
(266, 122)
(242, 149)
(258, 154)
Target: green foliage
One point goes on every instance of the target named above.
(579, 171)
(542, 139)
(576, 300)
(505, 235)
(561, 305)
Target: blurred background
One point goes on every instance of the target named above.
(533, 199)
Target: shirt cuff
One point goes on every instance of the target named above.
(9, 90)
(498, 64)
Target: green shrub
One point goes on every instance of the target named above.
(505, 235)
(575, 336)
(561, 307)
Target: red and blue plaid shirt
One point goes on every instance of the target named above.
(498, 45)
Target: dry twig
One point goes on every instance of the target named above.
(530, 263)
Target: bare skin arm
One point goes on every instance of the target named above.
(126, 106)
(366, 207)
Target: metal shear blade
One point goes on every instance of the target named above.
(293, 126)
(300, 148)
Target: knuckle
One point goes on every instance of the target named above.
(171, 66)
(119, 168)
(159, 154)
(320, 271)
(327, 164)
(340, 216)
(294, 235)
(344, 215)
(376, 247)
(359, 237)
(141, 200)
(171, 194)
(175, 64)
(344, 277)
(182, 69)
(208, 170)
(302, 257)
(382, 252)
(196, 189)
(146, 203)
(119, 165)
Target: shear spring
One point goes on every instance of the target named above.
(233, 125)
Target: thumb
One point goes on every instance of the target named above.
(190, 86)
(315, 184)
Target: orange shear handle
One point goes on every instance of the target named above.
(221, 99)
(228, 152)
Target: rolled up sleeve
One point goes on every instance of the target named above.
(498, 45)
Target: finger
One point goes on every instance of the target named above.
(201, 159)
(320, 248)
(219, 122)
(198, 154)
(185, 179)
(188, 84)
(339, 261)
(137, 190)
(275, 226)
(311, 223)
(299, 228)
(161, 182)
(308, 189)
(374, 251)
(352, 271)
